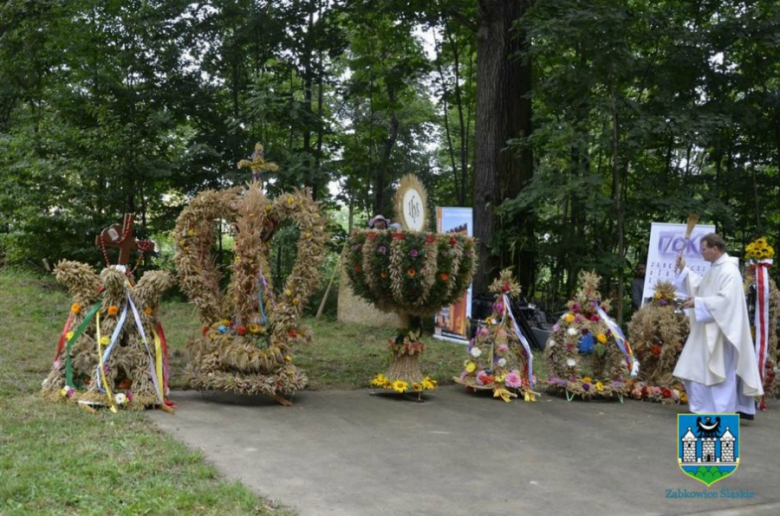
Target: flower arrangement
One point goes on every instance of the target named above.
(248, 333)
(407, 271)
(498, 361)
(759, 249)
(675, 394)
(413, 274)
(658, 333)
(582, 355)
(106, 356)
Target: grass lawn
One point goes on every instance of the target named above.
(55, 458)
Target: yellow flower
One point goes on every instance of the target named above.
(75, 308)
(601, 338)
(379, 380)
(295, 301)
(599, 386)
(69, 335)
(587, 379)
(470, 367)
(569, 318)
(287, 358)
(148, 310)
(290, 200)
(416, 387)
(288, 292)
(113, 310)
(657, 295)
(500, 378)
(224, 322)
(104, 340)
(400, 386)
(683, 398)
(254, 328)
(503, 394)
(429, 384)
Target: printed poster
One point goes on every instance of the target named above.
(452, 321)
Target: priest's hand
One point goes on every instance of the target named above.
(679, 264)
(688, 303)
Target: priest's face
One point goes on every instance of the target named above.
(710, 254)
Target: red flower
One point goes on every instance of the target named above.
(358, 269)
(241, 330)
(505, 288)
(453, 241)
(444, 276)
(430, 239)
(666, 392)
(372, 236)
(411, 273)
(204, 330)
(292, 333)
(594, 318)
(398, 236)
(655, 350)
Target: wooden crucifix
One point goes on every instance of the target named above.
(258, 164)
(121, 237)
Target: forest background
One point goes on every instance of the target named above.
(568, 125)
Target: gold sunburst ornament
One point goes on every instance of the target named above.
(411, 204)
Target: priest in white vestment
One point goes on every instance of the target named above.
(718, 364)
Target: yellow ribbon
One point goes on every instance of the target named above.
(101, 371)
(158, 362)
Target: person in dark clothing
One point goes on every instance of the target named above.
(637, 286)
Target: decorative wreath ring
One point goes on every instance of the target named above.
(582, 327)
(247, 329)
(658, 333)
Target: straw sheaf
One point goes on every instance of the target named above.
(396, 270)
(80, 279)
(249, 249)
(371, 275)
(130, 358)
(286, 381)
(428, 272)
(195, 234)
(659, 328)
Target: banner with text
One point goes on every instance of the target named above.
(666, 242)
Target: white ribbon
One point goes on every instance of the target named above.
(523, 340)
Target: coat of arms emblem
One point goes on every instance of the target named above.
(708, 445)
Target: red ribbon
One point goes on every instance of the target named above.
(63, 337)
(761, 320)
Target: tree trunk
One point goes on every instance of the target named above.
(503, 112)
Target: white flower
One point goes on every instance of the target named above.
(476, 352)
(571, 362)
(550, 343)
(572, 332)
(120, 399)
(501, 362)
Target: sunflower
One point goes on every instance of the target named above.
(400, 386)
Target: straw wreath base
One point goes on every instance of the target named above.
(280, 386)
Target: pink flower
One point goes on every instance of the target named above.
(594, 318)
(575, 307)
(513, 380)
(413, 253)
(503, 348)
(481, 377)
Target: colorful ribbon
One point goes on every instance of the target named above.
(114, 339)
(261, 284)
(140, 326)
(63, 337)
(76, 335)
(632, 364)
(101, 370)
(761, 321)
(523, 340)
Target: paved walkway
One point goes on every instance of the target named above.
(347, 453)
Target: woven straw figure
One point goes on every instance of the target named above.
(249, 331)
(658, 333)
(583, 356)
(112, 350)
(498, 359)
